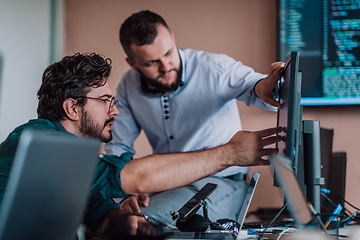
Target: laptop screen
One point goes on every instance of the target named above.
(292, 191)
(248, 197)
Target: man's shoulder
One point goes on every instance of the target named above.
(9, 145)
(130, 78)
(208, 58)
(131, 74)
(39, 124)
(195, 60)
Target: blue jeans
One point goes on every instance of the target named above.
(224, 202)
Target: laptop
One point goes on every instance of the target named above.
(297, 204)
(48, 186)
(290, 186)
(216, 234)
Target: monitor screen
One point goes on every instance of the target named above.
(327, 35)
(290, 115)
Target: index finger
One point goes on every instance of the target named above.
(277, 66)
(144, 200)
(270, 131)
(135, 206)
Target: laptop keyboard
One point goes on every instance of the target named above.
(199, 235)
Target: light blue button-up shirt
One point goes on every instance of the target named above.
(201, 113)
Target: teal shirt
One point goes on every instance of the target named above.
(107, 174)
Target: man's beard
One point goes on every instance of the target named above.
(155, 84)
(89, 128)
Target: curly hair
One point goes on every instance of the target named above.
(71, 77)
(139, 29)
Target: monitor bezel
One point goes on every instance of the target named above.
(294, 110)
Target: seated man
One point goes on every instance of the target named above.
(75, 98)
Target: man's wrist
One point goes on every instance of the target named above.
(255, 87)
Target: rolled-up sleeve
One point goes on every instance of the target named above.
(107, 176)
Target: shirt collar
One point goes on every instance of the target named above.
(182, 59)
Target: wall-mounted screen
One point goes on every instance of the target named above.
(326, 33)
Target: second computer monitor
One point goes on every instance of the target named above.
(290, 116)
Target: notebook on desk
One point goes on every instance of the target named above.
(48, 186)
(219, 234)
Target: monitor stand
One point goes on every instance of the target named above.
(312, 162)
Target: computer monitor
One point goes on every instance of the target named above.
(326, 35)
(290, 116)
(302, 138)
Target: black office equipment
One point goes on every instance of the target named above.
(290, 115)
(188, 220)
(326, 145)
(312, 162)
(215, 234)
(336, 181)
(302, 137)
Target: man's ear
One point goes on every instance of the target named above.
(131, 63)
(71, 109)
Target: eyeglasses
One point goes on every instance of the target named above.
(113, 101)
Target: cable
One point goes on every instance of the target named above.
(272, 221)
(316, 217)
(327, 198)
(327, 191)
(347, 213)
(344, 200)
(350, 217)
(172, 223)
(175, 216)
(284, 231)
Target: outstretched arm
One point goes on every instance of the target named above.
(168, 171)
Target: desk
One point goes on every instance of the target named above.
(350, 232)
(347, 232)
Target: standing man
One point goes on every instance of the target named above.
(76, 99)
(184, 100)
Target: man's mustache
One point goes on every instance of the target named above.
(164, 73)
(109, 120)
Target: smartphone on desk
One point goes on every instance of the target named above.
(191, 207)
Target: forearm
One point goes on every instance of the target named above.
(168, 171)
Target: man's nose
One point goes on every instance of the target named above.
(114, 111)
(165, 66)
